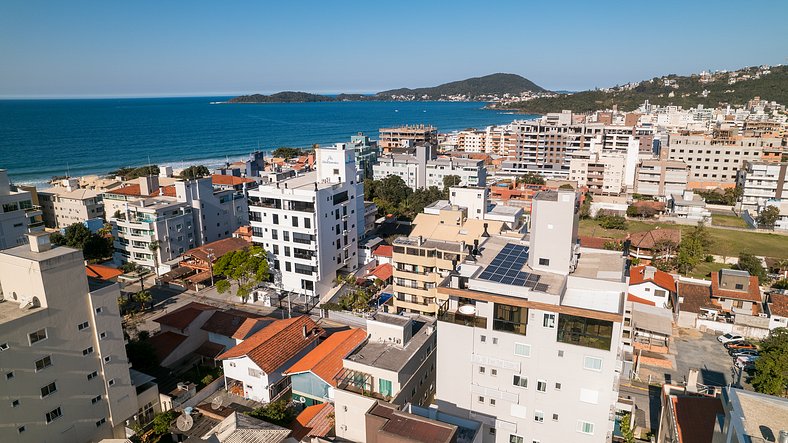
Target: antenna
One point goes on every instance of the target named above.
(184, 422)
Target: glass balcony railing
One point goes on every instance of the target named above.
(464, 320)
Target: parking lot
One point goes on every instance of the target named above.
(695, 349)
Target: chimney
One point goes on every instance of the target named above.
(475, 251)
(303, 330)
(485, 233)
(39, 242)
(315, 186)
(626, 246)
(783, 436)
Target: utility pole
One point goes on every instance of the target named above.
(210, 262)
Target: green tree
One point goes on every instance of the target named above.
(141, 353)
(567, 186)
(585, 207)
(449, 181)
(143, 297)
(768, 217)
(771, 368)
(626, 428)
(279, 413)
(247, 268)
(161, 422)
(690, 253)
(530, 178)
(608, 221)
(781, 284)
(78, 236)
(154, 247)
(752, 264)
(288, 153)
(421, 198)
(195, 171)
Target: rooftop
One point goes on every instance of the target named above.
(762, 416)
(305, 182)
(641, 274)
(393, 357)
(648, 239)
(314, 421)
(102, 272)
(182, 317)
(325, 361)
(694, 297)
(410, 427)
(695, 417)
(434, 227)
(217, 248)
(228, 323)
(752, 293)
(74, 194)
(778, 304)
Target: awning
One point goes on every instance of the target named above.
(652, 319)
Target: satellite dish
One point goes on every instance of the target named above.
(216, 403)
(184, 422)
(301, 399)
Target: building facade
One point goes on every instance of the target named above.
(18, 215)
(390, 139)
(760, 182)
(422, 169)
(64, 205)
(661, 178)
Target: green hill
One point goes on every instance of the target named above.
(688, 93)
(493, 84)
(281, 97)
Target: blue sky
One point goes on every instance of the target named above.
(122, 48)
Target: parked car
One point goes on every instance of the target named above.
(729, 338)
(743, 352)
(746, 362)
(739, 346)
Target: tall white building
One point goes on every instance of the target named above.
(64, 373)
(67, 203)
(761, 182)
(307, 223)
(422, 169)
(18, 215)
(530, 336)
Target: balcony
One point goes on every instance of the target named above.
(360, 383)
(463, 320)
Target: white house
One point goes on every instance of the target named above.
(254, 369)
(688, 206)
(778, 310)
(653, 286)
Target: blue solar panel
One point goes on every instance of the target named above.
(506, 267)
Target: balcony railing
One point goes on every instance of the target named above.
(464, 320)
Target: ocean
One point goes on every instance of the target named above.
(44, 138)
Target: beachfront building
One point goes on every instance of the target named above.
(366, 153)
(308, 222)
(67, 203)
(423, 169)
(396, 364)
(18, 215)
(65, 373)
(530, 333)
(394, 138)
(661, 178)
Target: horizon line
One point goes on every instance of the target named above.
(159, 95)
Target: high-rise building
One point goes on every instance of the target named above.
(64, 373)
(661, 178)
(423, 169)
(761, 182)
(308, 223)
(530, 334)
(18, 215)
(67, 203)
(394, 138)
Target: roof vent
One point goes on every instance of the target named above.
(485, 233)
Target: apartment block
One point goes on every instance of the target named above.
(18, 215)
(423, 169)
(661, 178)
(396, 364)
(65, 373)
(67, 203)
(760, 182)
(601, 174)
(308, 223)
(715, 158)
(392, 139)
(751, 417)
(366, 153)
(530, 335)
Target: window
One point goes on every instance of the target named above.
(9, 375)
(544, 262)
(111, 382)
(295, 222)
(522, 349)
(54, 414)
(92, 375)
(492, 431)
(481, 369)
(481, 399)
(585, 427)
(99, 310)
(15, 403)
(558, 386)
(515, 439)
(483, 338)
(20, 429)
(493, 372)
(101, 422)
(107, 359)
(560, 352)
(275, 219)
(492, 402)
(538, 416)
(87, 351)
(95, 399)
(555, 417)
(384, 386)
(43, 363)
(592, 363)
(519, 381)
(549, 321)
(541, 386)
(37, 336)
(48, 389)
(510, 318)
(83, 326)
(3, 346)
(102, 336)
(584, 331)
(307, 223)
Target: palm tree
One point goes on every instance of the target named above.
(154, 247)
(143, 297)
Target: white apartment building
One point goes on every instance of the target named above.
(661, 178)
(67, 203)
(423, 169)
(307, 223)
(18, 215)
(688, 205)
(471, 141)
(531, 334)
(65, 373)
(603, 174)
(760, 182)
(396, 364)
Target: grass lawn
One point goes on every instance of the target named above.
(704, 269)
(728, 220)
(727, 242)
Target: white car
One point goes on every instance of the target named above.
(728, 338)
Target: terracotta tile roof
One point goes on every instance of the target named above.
(647, 240)
(248, 326)
(229, 180)
(383, 251)
(753, 293)
(636, 299)
(778, 304)
(165, 342)
(272, 346)
(314, 421)
(637, 275)
(325, 361)
(183, 316)
(167, 191)
(593, 242)
(218, 248)
(102, 272)
(134, 191)
(696, 418)
(383, 272)
(227, 323)
(695, 297)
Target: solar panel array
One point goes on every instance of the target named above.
(506, 268)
